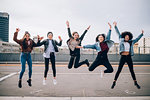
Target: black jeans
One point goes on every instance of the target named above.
(52, 59)
(74, 59)
(125, 59)
(101, 60)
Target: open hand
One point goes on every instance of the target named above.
(109, 25)
(67, 23)
(39, 38)
(88, 27)
(17, 29)
(142, 31)
(115, 23)
(60, 38)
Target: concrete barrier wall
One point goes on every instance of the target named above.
(10, 57)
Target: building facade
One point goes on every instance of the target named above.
(4, 27)
(144, 44)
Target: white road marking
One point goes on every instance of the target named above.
(36, 91)
(7, 76)
(129, 92)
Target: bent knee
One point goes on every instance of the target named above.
(90, 69)
(76, 66)
(111, 70)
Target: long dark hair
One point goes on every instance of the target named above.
(98, 37)
(24, 40)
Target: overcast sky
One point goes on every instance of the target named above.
(41, 16)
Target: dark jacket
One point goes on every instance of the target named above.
(77, 50)
(29, 47)
(46, 43)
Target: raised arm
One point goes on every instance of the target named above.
(15, 36)
(60, 43)
(34, 44)
(139, 37)
(117, 30)
(69, 31)
(38, 43)
(82, 36)
(109, 32)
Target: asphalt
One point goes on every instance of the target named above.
(64, 63)
(74, 83)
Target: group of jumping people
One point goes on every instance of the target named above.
(102, 46)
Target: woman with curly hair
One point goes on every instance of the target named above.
(126, 51)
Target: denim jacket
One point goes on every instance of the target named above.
(121, 44)
(97, 44)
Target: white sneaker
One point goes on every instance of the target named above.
(102, 73)
(54, 81)
(44, 82)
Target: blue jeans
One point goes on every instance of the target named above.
(25, 57)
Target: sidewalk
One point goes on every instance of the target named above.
(75, 98)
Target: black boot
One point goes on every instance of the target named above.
(29, 82)
(113, 85)
(87, 63)
(137, 85)
(19, 84)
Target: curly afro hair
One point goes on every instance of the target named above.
(100, 35)
(123, 34)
